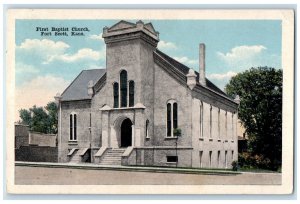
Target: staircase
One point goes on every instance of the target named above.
(75, 158)
(112, 157)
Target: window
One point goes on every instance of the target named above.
(172, 158)
(210, 122)
(116, 95)
(172, 117)
(200, 157)
(147, 129)
(225, 159)
(73, 127)
(123, 87)
(218, 158)
(226, 124)
(219, 131)
(131, 93)
(232, 126)
(232, 153)
(210, 153)
(201, 120)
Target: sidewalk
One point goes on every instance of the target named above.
(90, 166)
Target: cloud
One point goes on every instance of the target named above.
(245, 56)
(166, 45)
(223, 76)
(43, 47)
(96, 37)
(39, 91)
(25, 68)
(82, 54)
(186, 60)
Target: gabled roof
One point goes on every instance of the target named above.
(185, 70)
(78, 89)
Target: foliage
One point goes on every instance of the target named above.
(177, 132)
(249, 161)
(40, 119)
(234, 165)
(260, 111)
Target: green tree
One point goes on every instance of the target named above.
(41, 119)
(260, 111)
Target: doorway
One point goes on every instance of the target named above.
(126, 133)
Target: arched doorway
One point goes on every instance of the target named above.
(126, 133)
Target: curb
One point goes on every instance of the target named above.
(127, 168)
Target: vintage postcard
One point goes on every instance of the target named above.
(149, 101)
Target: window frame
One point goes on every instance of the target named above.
(73, 127)
(171, 102)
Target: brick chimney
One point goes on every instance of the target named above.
(202, 80)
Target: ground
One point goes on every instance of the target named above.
(43, 175)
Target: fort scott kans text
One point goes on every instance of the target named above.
(62, 31)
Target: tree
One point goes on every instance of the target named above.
(40, 119)
(260, 111)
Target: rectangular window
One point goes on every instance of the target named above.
(169, 120)
(71, 127)
(172, 159)
(131, 93)
(116, 95)
(232, 153)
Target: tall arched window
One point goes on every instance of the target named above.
(172, 117)
(123, 88)
(131, 93)
(201, 119)
(169, 123)
(73, 127)
(147, 128)
(210, 122)
(116, 95)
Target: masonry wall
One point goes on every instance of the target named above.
(82, 110)
(36, 154)
(219, 149)
(40, 139)
(165, 89)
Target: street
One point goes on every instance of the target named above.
(29, 175)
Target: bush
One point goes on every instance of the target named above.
(246, 160)
(234, 165)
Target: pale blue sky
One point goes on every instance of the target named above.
(232, 46)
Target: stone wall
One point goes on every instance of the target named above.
(36, 154)
(21, 135)
(40, 139)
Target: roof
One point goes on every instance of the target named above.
(185, 70)
(77, 90)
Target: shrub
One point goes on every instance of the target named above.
(234, 165)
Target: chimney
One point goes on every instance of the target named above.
(202, 64)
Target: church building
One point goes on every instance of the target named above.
(145, 108)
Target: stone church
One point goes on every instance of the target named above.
(131, 112)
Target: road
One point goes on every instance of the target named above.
(68, 176)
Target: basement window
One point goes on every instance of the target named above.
(172, 159)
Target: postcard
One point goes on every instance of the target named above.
(140, 101)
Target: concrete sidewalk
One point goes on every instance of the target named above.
(90, 166)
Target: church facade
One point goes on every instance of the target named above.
(131, 112)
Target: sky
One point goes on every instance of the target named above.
(46, 65)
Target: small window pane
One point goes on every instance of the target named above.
(168, 119)
(131, 93)
(172, 158)
(75, 127)
(71, 127)
(175, 125)
(116, 95)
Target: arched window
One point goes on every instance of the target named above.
(201, 119)
(116, 95)
(210, 122)
(73, 127)
(219, 128)
(147, 128)
(172, 117)
(169, 121)
(123, 88)
(131, 93)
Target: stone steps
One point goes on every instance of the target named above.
(112, 157)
